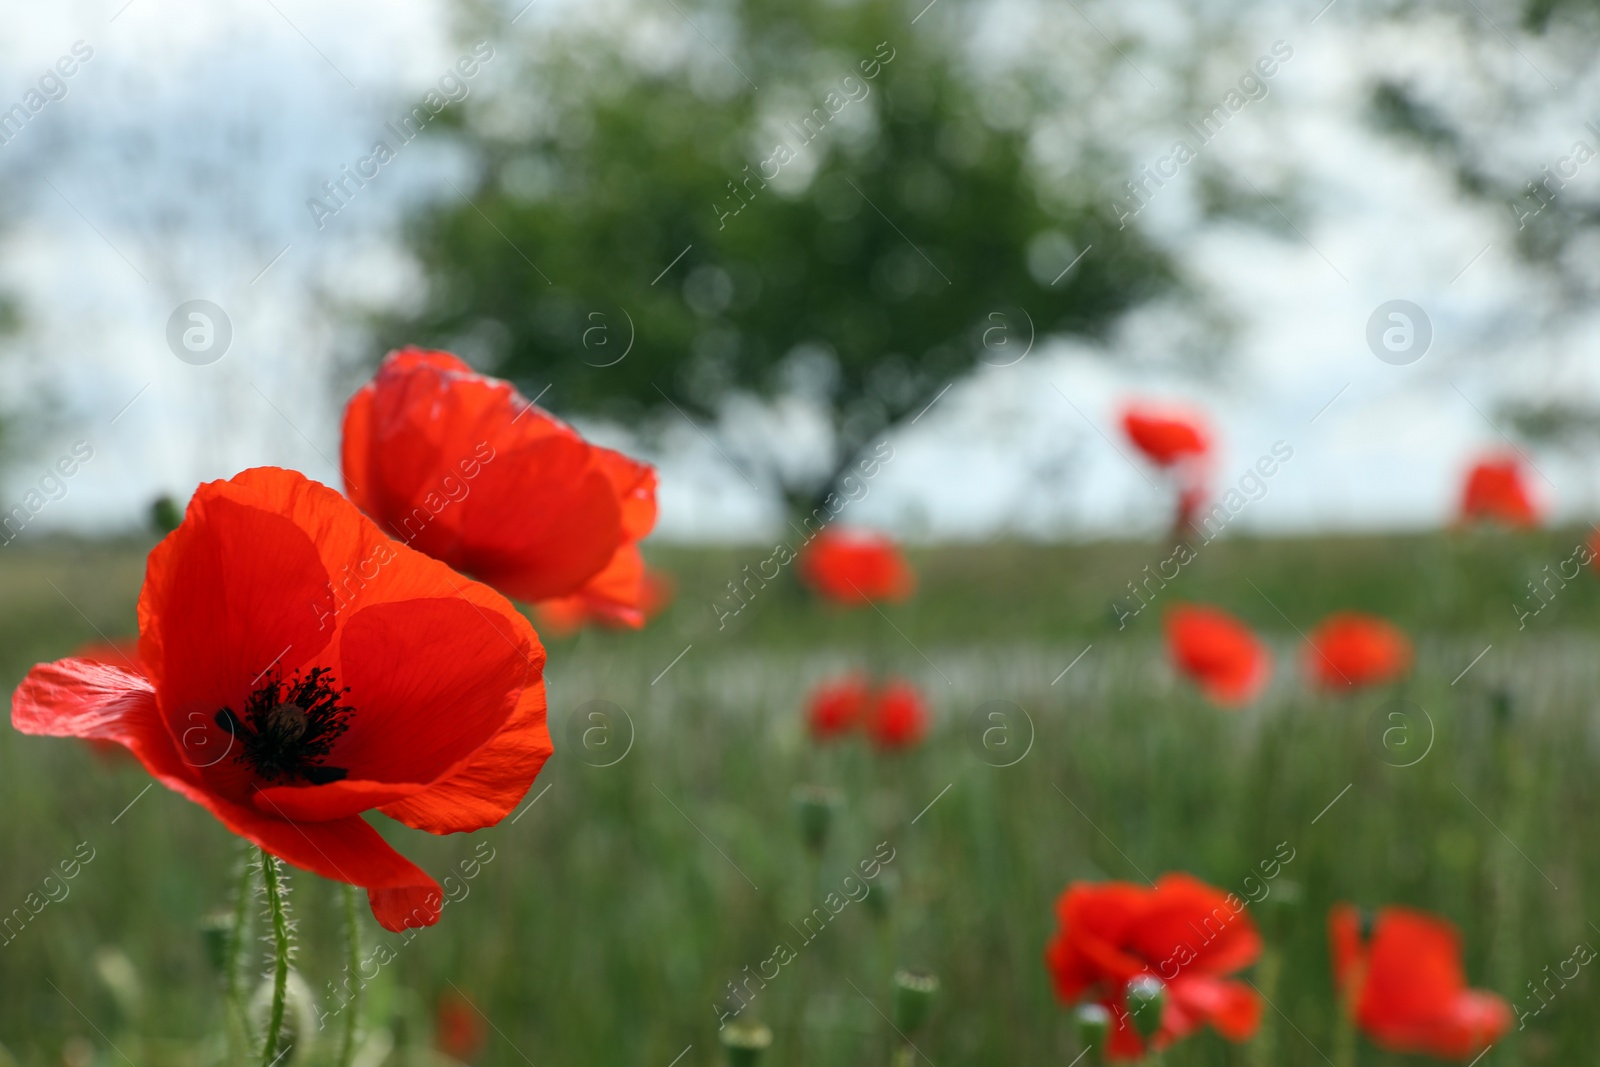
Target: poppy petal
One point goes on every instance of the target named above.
(82, 698)
(401, 894)
(1231, 1008)
(421, 715)
(233, 592)
(491, 784)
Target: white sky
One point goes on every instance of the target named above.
(179, 164)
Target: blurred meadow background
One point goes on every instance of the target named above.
(976, 245)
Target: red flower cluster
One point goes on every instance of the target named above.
(1166, 436)
(287, 717)
(460, 466)
(1497, 491)
(1351, 649)
(1227, 661)
(1181, 931)
(1177, 441)
(297, 667)
(1404, 986)
(856, 567)
(894, 716)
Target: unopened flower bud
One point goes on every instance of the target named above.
(1147, 999)
(745, 1040)
(814, 806)
(216, 934)
(1094, 1025)
(913, 999)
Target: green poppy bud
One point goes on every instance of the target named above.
(1147, 999)
(913, 999)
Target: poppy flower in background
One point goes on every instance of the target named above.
(299, 668)
(1406, 988)
(1497, 491)
(458, 1028)
(856, 567)
(1166, 436)
(1352, 649)
(1227, 661)
(1181, 931)
(459, 466)
(565, 616)
(838, 706)
(897, 717)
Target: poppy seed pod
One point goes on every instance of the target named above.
(814, 806)
(216, 935)
(745, 1040)
(913, 999)
(1093, 1023)
(1147, 999)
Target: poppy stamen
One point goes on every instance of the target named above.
(288, 728)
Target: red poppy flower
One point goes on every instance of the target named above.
(300, 668)
(460, 466)
(1496, 491)
(565, 616)
(458, 1030)
(838, 706)
(1219, 652)
(1350, 649)
(897, 717)
(856, 567)
(1406, 987)
(1166, 436)
(1181, 931)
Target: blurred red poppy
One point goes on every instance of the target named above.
(897, 717)
(565, 616)
(1166, 436)
(460, 466)
(458, 1030)
(1497, 491)
(300, 668)
(1219, 652)
(1352, 649)
(838, 706)
(1181, 931)
(1405, 986)
(856, 567)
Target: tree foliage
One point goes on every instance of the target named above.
(903, 232)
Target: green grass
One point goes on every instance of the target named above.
(616, 909)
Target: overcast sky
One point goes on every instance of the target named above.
(179, 163)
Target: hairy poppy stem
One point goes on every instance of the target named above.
(352, 1010)
(271, 875)
(236, 939)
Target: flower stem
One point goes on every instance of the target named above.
(272, 876)
(352, 1009)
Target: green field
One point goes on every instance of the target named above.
(617, 908)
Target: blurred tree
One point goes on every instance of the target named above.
(1480, 136)
(865, 227)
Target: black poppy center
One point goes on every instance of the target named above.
(288, 728)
